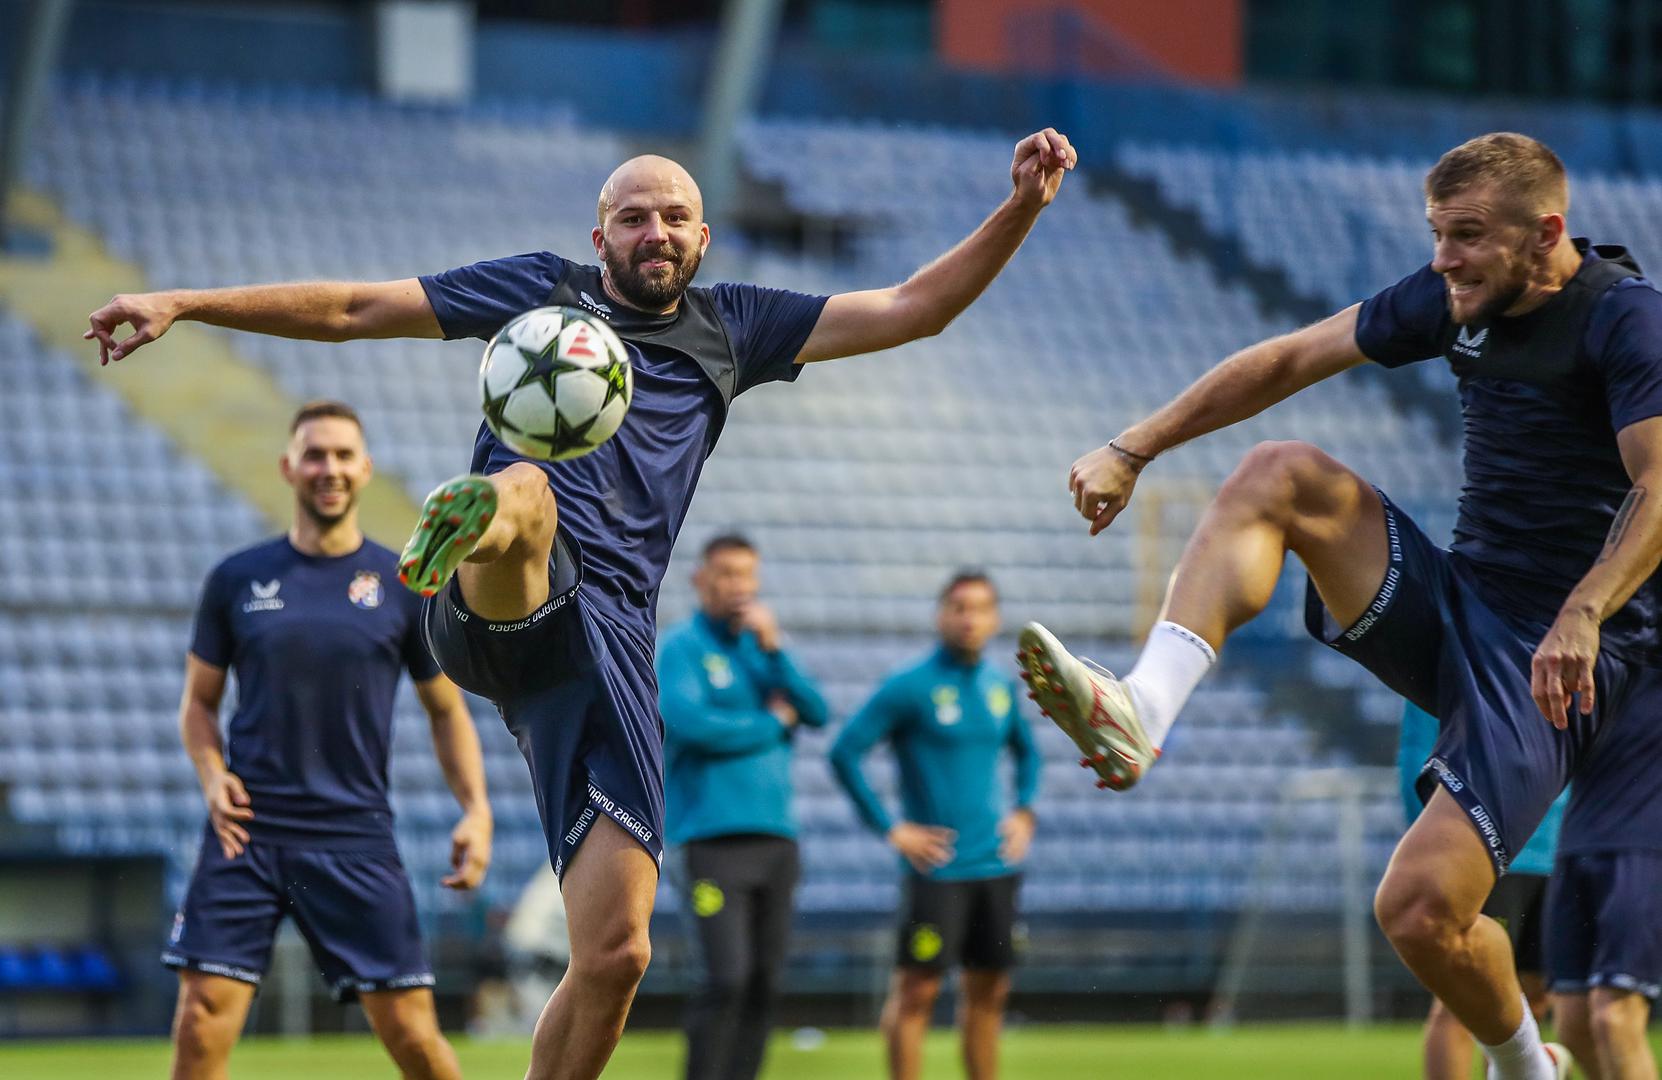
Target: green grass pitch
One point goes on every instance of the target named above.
(1030, 1053)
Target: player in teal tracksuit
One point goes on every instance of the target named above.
(949, 718)
(1516, 902)
(732, 699)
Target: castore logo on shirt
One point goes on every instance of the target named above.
(265, 597)
(1470, 344)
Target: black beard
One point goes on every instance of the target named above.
(323, 520)
(645, 291)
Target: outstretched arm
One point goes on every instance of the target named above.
(1563, 662)
(922, 305)
(312, 310)
(1241, 387)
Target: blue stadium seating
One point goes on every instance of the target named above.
(865, 485)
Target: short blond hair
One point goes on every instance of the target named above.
(1526, 173)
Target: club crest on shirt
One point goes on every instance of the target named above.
(719, 670)
(263, 597)
(947, 709)
(998, 701)
(365, 590)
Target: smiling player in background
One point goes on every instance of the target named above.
(298, 820)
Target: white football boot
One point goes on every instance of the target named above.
(1563, 1065)
(1092, 708)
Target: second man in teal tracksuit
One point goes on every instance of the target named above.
(949, 717)
(732, 699)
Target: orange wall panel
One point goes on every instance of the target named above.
(1195, 40)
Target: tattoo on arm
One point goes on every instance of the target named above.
(1624, 517)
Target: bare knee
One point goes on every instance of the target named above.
(615, 965)
(915, 992)
(1570, 1015)
(1415, 916)
(985, 991)
(523, 494)
(420, 1050)
(1278, 475)
(207, 1018)
(1618, 1017)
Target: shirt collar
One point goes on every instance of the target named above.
(946, 658)
(721, 631)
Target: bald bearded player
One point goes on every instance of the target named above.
(544, 577)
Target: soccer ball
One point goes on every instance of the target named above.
(555, 383)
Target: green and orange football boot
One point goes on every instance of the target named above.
(453, 519)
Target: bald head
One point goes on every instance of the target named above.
(651, 233)
(653, 180)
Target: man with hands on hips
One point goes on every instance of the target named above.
(949, 717)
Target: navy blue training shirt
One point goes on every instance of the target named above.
(625, 501)
(316, 644)
(1544, 477)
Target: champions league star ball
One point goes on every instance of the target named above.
(555, 383)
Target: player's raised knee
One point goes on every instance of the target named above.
(1414, 914)
(1294, 483)
(522, 491)
(1282, 468)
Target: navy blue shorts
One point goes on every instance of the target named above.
(1603, 928)
(1430, 636)
(354, 908)
(577, 689)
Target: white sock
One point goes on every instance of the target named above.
(1172, 664)
(1522, 1057)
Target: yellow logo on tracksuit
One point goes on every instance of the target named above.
(719, 670)
(707, 898)
(926, 943)
(947, 709)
